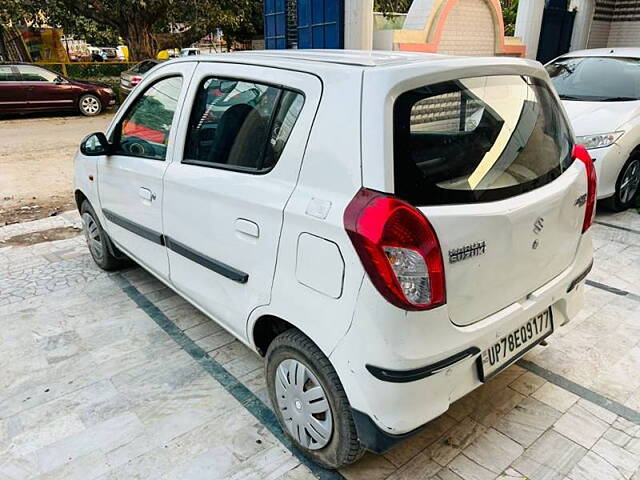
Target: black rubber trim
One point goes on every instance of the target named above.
(404, 376)
(144, 232)
(218, 267)
(580, 278)
(373, 438)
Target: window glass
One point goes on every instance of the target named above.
(144, 130)
(29, 73)
(7, 74)
(478, 139)
(596, 79)
(240, 125)
(145, 66)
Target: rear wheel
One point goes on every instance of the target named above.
(90, 105)
(627, 186)
(309, 401)
(100, 246)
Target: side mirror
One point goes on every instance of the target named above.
(60, 79)
(95, 144)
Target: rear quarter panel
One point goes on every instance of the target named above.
(329, 178)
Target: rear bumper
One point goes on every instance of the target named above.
(428, 362)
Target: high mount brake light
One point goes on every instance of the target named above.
(399, 250)
(581, 153)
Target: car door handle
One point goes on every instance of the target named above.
(146, 194)
(248, 227)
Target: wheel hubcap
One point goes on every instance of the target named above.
(630, 182)
(303, 405)
(92, 234)
(90, 105)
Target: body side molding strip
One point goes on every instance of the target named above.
(177, 247)
(133, 227)
(207, 262)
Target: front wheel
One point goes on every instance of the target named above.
(100, 246)
(627, 186)
(90, 105)
(309, 401)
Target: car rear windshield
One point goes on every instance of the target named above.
(478, 139)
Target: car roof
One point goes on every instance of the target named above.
(622, 52)
(324, 61)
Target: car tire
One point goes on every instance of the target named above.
(90, 105)
(102, 250)
(627, 186)
(295, 365)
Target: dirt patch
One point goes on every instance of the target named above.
(50, 235)
(34, 211)
(36, 164)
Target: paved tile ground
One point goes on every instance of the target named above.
(92, 387)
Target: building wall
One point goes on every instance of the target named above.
(469, 30)
(616, 23)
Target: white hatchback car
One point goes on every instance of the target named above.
(388, 230)
(600, 90)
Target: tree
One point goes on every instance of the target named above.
(138, 21)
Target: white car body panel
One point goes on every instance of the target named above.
(206, 208)
(341, 143)
(133, 187)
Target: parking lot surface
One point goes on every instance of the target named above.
(114, 376)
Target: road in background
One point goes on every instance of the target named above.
(36, 163)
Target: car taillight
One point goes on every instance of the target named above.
(135, 80)
(398, 248)
(581, 153)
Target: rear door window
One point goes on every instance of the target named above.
(478, 139)
(238, 125)
(7, 74)
(29, 73)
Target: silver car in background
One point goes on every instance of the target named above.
(132, 77)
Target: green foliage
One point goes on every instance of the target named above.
(137, 21)
(392, 6)
(509, 12)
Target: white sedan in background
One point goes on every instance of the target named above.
(600, 90)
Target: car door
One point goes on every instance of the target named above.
(239, 152)
(46, 90)
(130, 179)
(13, 95)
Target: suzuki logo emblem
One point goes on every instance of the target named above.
(538, 225)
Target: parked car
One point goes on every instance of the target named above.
(109, 53)
(388, 230)
(600, 90)
(32, 88)
(132, 77)
(185, 52)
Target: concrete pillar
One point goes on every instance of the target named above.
(528, 23)
(358, 24)
(582, 25)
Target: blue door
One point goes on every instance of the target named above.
(320, 23)
(303, 24)
(275, 24)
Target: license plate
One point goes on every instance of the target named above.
(515, 344)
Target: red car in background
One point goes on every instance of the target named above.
(31, 88)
